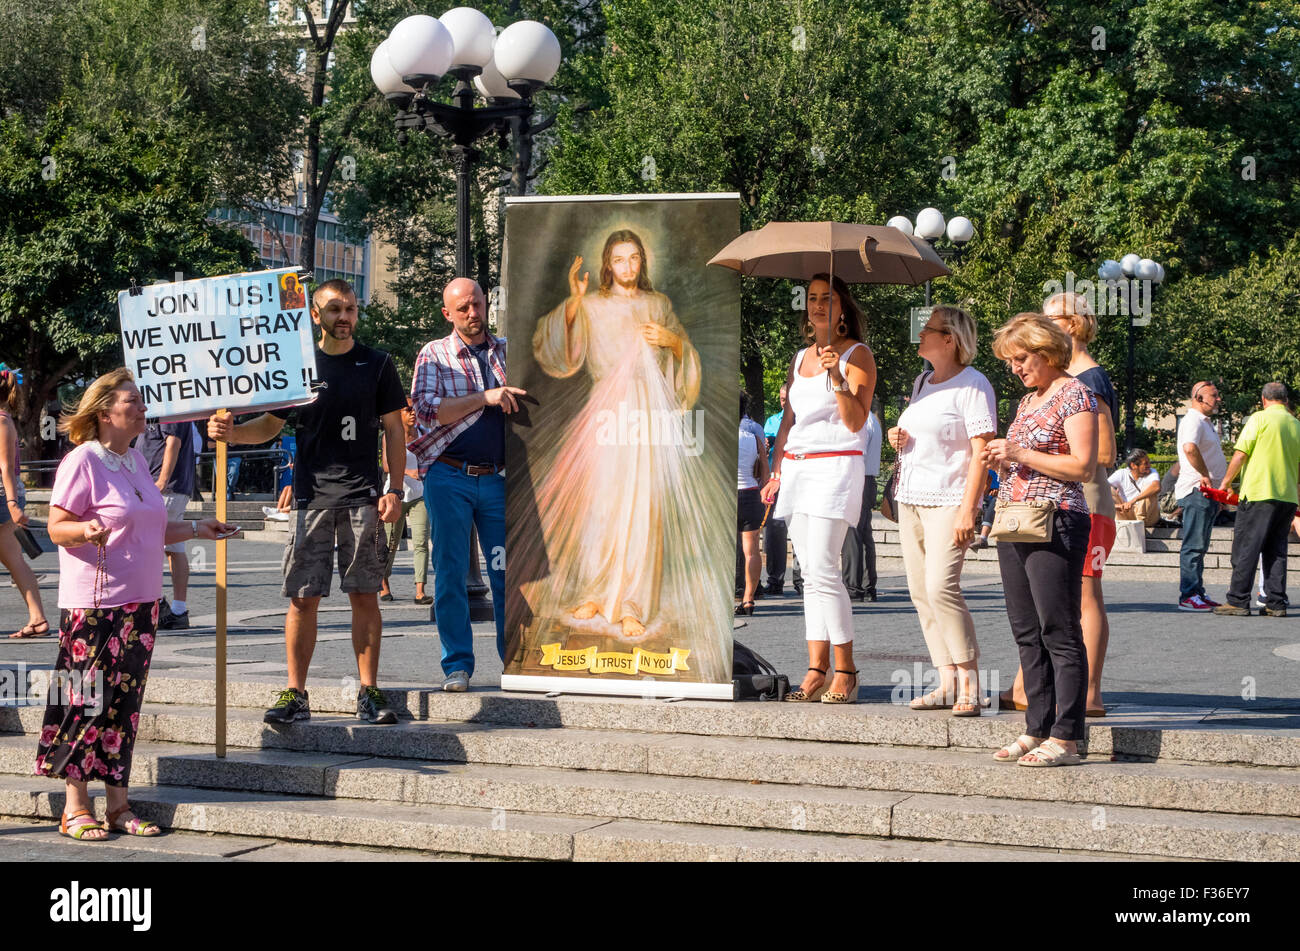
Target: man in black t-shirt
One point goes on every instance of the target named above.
(169, 450)
(336, 494)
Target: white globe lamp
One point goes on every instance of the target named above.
(387, 79)
(527, 52)
(472, 35)
(930, 224)
(960, 230)
(900, 222)
(419, 46)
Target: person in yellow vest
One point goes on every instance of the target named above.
(1269, 447)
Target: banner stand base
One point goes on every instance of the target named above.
(646, 689)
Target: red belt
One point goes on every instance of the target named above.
(821, 455)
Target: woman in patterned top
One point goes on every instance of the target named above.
(1050, 449)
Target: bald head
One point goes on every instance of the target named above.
(459, 286)
(464, 305)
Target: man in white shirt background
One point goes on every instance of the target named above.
(859, 555)
(1136, 489)
(1201, 462)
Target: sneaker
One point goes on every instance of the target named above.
(174, 622)
(289, 705)
(1231, 610)
(1273, 612)
(457, 682)
(1213, 604)
(372, 707)
(1194, 603)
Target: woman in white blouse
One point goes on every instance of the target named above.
(939, 438)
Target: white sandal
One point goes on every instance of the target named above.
(1050, 753)
(1016, 750)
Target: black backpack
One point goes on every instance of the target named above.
(754, 678)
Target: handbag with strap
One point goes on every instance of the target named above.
(889, 499)
(1023, 521)
(753, 677)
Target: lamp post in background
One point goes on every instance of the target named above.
(930, 226)
(1125, 280)
(505, 70)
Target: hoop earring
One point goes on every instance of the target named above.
(842, 328)
(808, 330)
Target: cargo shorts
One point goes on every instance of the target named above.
(309, 556)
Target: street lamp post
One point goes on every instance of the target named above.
(506, 70)
(930, 226)
(1124, 273)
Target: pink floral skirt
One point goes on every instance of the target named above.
(96, 692)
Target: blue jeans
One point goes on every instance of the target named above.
(1198, 518)
(454, 501)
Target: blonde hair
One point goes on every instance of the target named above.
(959, 323)
(1075, 309)
(1034, 333)
(82, 424)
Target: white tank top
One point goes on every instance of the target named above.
(748, 456)
(817, 423)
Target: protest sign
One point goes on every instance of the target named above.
(240, 342)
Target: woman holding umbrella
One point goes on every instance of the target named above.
(818, 465)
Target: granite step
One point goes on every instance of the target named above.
(495, 832)
(1235, 790)
(34, 840)
(674, 800)
(1129, 731)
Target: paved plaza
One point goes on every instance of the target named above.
(1216, 669)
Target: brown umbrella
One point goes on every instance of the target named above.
(856, 254)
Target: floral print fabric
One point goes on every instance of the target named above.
(108, 651)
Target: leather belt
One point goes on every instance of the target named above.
(468, 469)
(821, 455)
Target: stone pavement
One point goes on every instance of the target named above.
(1232, 672)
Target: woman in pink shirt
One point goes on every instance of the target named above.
(110, 523)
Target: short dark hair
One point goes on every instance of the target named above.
(1275, 392)
(336, 284)
(1135, 457)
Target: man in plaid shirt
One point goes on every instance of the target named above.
(461, 395)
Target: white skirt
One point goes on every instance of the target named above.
(830, 487)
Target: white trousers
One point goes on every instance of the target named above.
(828, 615)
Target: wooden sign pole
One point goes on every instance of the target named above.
(219, 493)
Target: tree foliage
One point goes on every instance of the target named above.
(122, 126)
(1069, 132)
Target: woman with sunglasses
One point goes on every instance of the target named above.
(940, 438)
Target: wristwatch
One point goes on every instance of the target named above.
(842, 387)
